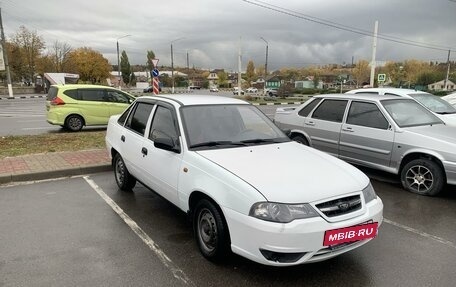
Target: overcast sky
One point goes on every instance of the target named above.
(209, 30)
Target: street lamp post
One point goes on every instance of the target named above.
(118, 61)
(266, 64)
(172, 64)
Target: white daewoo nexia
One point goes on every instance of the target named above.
(246, 186)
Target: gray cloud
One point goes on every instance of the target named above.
(211, 29)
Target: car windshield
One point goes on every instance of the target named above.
(434, 103)
(223, 126)
(408, 113)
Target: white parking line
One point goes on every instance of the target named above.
(177, 272)
(423, 234)
(42, 128)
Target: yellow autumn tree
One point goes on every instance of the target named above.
(90, 65)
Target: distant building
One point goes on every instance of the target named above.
(440, 86)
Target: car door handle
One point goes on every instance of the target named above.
(310, 123)
(348, 129)
(122, 138)
(144, 151)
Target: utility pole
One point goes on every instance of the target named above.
(266, 64)
(448, 72)
(240, 71)
(374, 51)
(5, 57)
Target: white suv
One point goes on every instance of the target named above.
(441, 108)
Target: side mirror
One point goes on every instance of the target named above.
(166, 143)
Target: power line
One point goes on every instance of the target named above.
(335, 25)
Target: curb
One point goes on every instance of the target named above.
(277, 104)
(21, 97)
(40, 175)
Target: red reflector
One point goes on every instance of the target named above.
(57, 101)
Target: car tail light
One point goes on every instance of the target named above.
(57, 101)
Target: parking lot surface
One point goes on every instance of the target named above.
(83, 231)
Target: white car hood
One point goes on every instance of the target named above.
(290, 172)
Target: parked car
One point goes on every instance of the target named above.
(76, 106)
(236, 92)
(439, 107)
(451, 98)
(150, 89)
(194, 88)
(252, 90)
(271, 92)
(389, 133)
(213, 89)
(212, 158)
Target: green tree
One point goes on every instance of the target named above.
(125, 67)
(90, 65)
(28, 47)
(222, 80)
(250, 73)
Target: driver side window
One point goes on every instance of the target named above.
(164, 124)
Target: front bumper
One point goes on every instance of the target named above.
(251, 235)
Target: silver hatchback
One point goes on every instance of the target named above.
(388, 133)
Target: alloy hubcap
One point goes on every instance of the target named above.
(419, 178)
(119, 171)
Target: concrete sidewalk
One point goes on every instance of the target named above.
(53, 165)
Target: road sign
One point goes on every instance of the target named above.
(155, 73)
(155, 62)
(381, 77)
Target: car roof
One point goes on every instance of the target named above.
(84, 86)
(397, 91)
(193, 100)
(359, 96)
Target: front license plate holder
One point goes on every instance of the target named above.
(350, 234)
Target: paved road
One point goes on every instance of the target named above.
(54, 236)
(28, 116)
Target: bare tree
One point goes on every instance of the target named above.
(61, 55)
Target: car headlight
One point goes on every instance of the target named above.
(369, 193)
(283, 213)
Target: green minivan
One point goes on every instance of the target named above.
(75, 106)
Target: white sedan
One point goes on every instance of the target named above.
(451, 98)
(247, 188)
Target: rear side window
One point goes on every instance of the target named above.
(137, 120)
(304, 112)
(330, 110)
(366, 115)
(52, 93)
(72, 94)
(123, 117)
(95, 95)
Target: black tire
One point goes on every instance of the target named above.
(125, 181)
(74, 123)
(423, 176)
(300, 139)
(211, 231)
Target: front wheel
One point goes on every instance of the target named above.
(125, 181)
(210, 231)
(422, 176)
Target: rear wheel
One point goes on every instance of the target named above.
(211, 231)
(74, 123)
(300, 139)
(422, 176)
(125, 181)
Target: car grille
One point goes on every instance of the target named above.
(340, 206)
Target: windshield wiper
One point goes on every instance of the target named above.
(217, 143)
(262, 141)
(446, 113)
